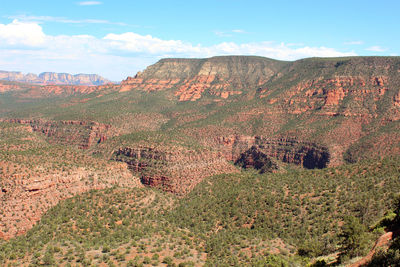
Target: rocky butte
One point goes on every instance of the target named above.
(53, 78)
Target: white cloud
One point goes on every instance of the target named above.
(238, 31)
(22, 34)
(376, 48)
(89, 3)
(354, 43)
(133, 42)
(41, 19)
(295, 44)
(116, 56)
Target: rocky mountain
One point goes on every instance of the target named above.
(192, 127)
(52, 78)
(235, 75)
(314, 112)
(217, 76)
(345, 94)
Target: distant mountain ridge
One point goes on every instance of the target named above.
(48, 78)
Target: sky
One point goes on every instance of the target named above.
(118, 38)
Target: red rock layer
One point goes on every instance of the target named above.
(25, 198)
(80, 133)
(176, 170)
(290, 150)
(190, 79)
(327, 95)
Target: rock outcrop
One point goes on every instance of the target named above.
(256, 159)
(308, 85)
(34, 91)
(290, 150)
(34, 176)
(218, 76)
(82, 134)
(54, 78)
(26, 198)
(177, 170)
(7, 87)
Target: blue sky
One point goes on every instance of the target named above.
(118, 38)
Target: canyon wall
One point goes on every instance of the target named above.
(290, 150)
(173, 169)
(36, 175)
(82, 134)
(26, 197)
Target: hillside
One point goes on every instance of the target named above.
(322, 135)
(36, 175)
(325, 110)
(239, 219)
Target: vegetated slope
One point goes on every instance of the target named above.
(238, 219)
(314, 112)
(115, 225)
(26, 92)
(53, 78)
(35, 175)
(386, 251)
(304, 209)
(180, 121)
(348, 105)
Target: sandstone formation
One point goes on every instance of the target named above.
(54, 78)
(82, 134)
(181, 120)
(6, 87)
(34, 176)
(34, 91)
(310, 112)
(173, 169)
(326, 84)
(25, 198)
(256, 159)
(290, 150)
(217, 76)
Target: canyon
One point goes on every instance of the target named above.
(182, 120)
(36, 175)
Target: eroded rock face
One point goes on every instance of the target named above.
(173, 169)
(290, 150)
(256, 159)
(191, 78)
(54, 78)
(9, 87)
(35, 175)
(179, 170)
(83, 134)
(25, 198)
(34, 91)
(327, 84)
